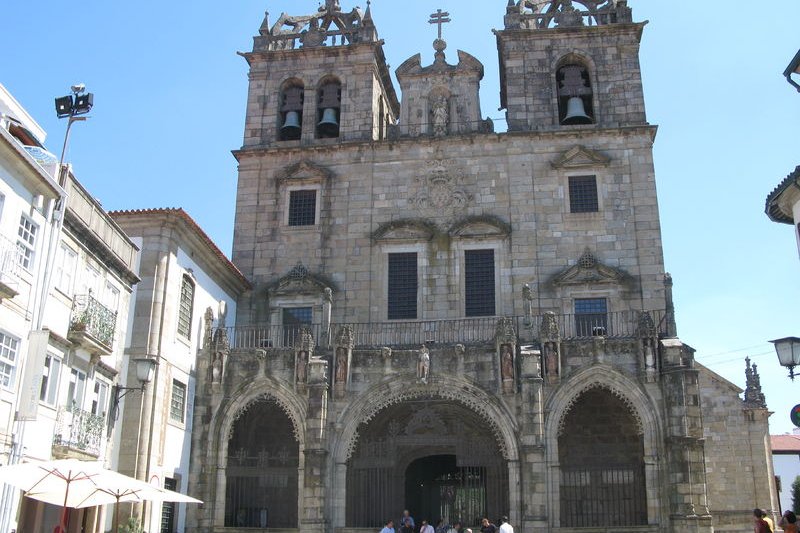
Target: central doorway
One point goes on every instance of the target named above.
(436, 487)
(433, 457)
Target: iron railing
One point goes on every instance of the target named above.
(603, 496)
(10, 260)
(622, 324)
(93, 318)
(80, 430)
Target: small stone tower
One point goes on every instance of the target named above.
(553, 59)
(343, 92)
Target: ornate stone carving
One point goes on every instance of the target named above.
(527, 303)
(439, 116)
(297, 426)
(504, 332)
(507, 367)
(208, 323)
(550, 337)
(425, 420)
(753, 396)
(541, 14)
(440, 191)
(386, 353)
(580, 156)
(589, 270)
(549, 331)
(648, 334)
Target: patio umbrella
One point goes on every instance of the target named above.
(76, 484)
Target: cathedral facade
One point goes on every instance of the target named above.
(455, 321)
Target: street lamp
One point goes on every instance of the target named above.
(145, 368)
(788, 350)
(72, 106)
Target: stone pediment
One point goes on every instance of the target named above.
(480, 226)
(466, 63)
(299, 281)
(588, 270)
(409, 230)
(581, 157)
(305, 172)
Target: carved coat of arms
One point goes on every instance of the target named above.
(440, 190)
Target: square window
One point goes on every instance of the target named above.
(591, 317)
(302, 208)
(8, 360)
(583, 194)
(479, 288)
(177, 403)
(403, 286)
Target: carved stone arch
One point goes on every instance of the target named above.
(495, 414)
(304, 172)
(405, 230)
(641, 406)
(292, 81)
(480, 226)
(328, 78)
(244, 398)
(576, 55)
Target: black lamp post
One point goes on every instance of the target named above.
(72, 106)
(145, 368)
(788, 350)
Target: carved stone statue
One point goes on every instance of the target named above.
(440, 116)
(506, 362)
(551, 360)
(223, 313)
(424, 364)
(649, 359)
(341, 365)
(527, 303)
(301, 366)
(386, 353)
(216, 368)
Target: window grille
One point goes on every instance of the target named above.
(302, 208)
(479, 286)
(177, 403)
(591, 317)
(8, 359)
(185, 308)
(403, 285)
(583, 194)
(294, 318)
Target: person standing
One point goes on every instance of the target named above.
(768, 519)
(505, 527)
(759, 524)
(788, 522)
(487, 527)
(389, 527)
(406, 517)
(425, 527)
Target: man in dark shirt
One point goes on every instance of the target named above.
(488, 527)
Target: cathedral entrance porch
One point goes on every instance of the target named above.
(435, 458)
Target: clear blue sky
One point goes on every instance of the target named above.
(170, 96)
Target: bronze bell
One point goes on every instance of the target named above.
(576, 112)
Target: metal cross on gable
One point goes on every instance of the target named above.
(439, 18)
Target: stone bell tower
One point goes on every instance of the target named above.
(563, 66)
(343, 92)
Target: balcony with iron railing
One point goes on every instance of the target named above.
(10, 268)
(412, 333)
(92, 325)
(78, 434)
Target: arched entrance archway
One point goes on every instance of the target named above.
(262, 468)
(601, 454)
(432, 456)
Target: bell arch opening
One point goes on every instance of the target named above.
(601, 457)
(434, 457)
(262, 470)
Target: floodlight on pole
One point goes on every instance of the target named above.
(73, 106)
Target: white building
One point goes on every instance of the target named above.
(786, 461)
(186, 281)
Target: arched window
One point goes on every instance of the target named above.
(381, 118)
(185, 308)
(574, 95)
(291, 111)
(329, 104)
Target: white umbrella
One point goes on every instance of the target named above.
(76, 484)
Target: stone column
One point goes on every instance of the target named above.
(532, 481)
(685, 445)
(314, 495)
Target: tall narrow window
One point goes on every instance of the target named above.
(8, 360)
(291, 113)
(100, 399)
(294, 318)
(591, 317)
(479, 295)
(403, 285)
(26, 242)
(303, 207)
(65, 269)
(185, 307)
(574, 95)
(50, 375)
(583, 194)
(177, 405)
(168, 508)
(76, 389)
(329, 102)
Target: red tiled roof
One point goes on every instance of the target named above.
(194, 226)
(785, 443)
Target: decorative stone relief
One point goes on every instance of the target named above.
(648, 335)
(504, 332)
(753, 396)
(589, 270)
(440, 191)
(527, 304)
